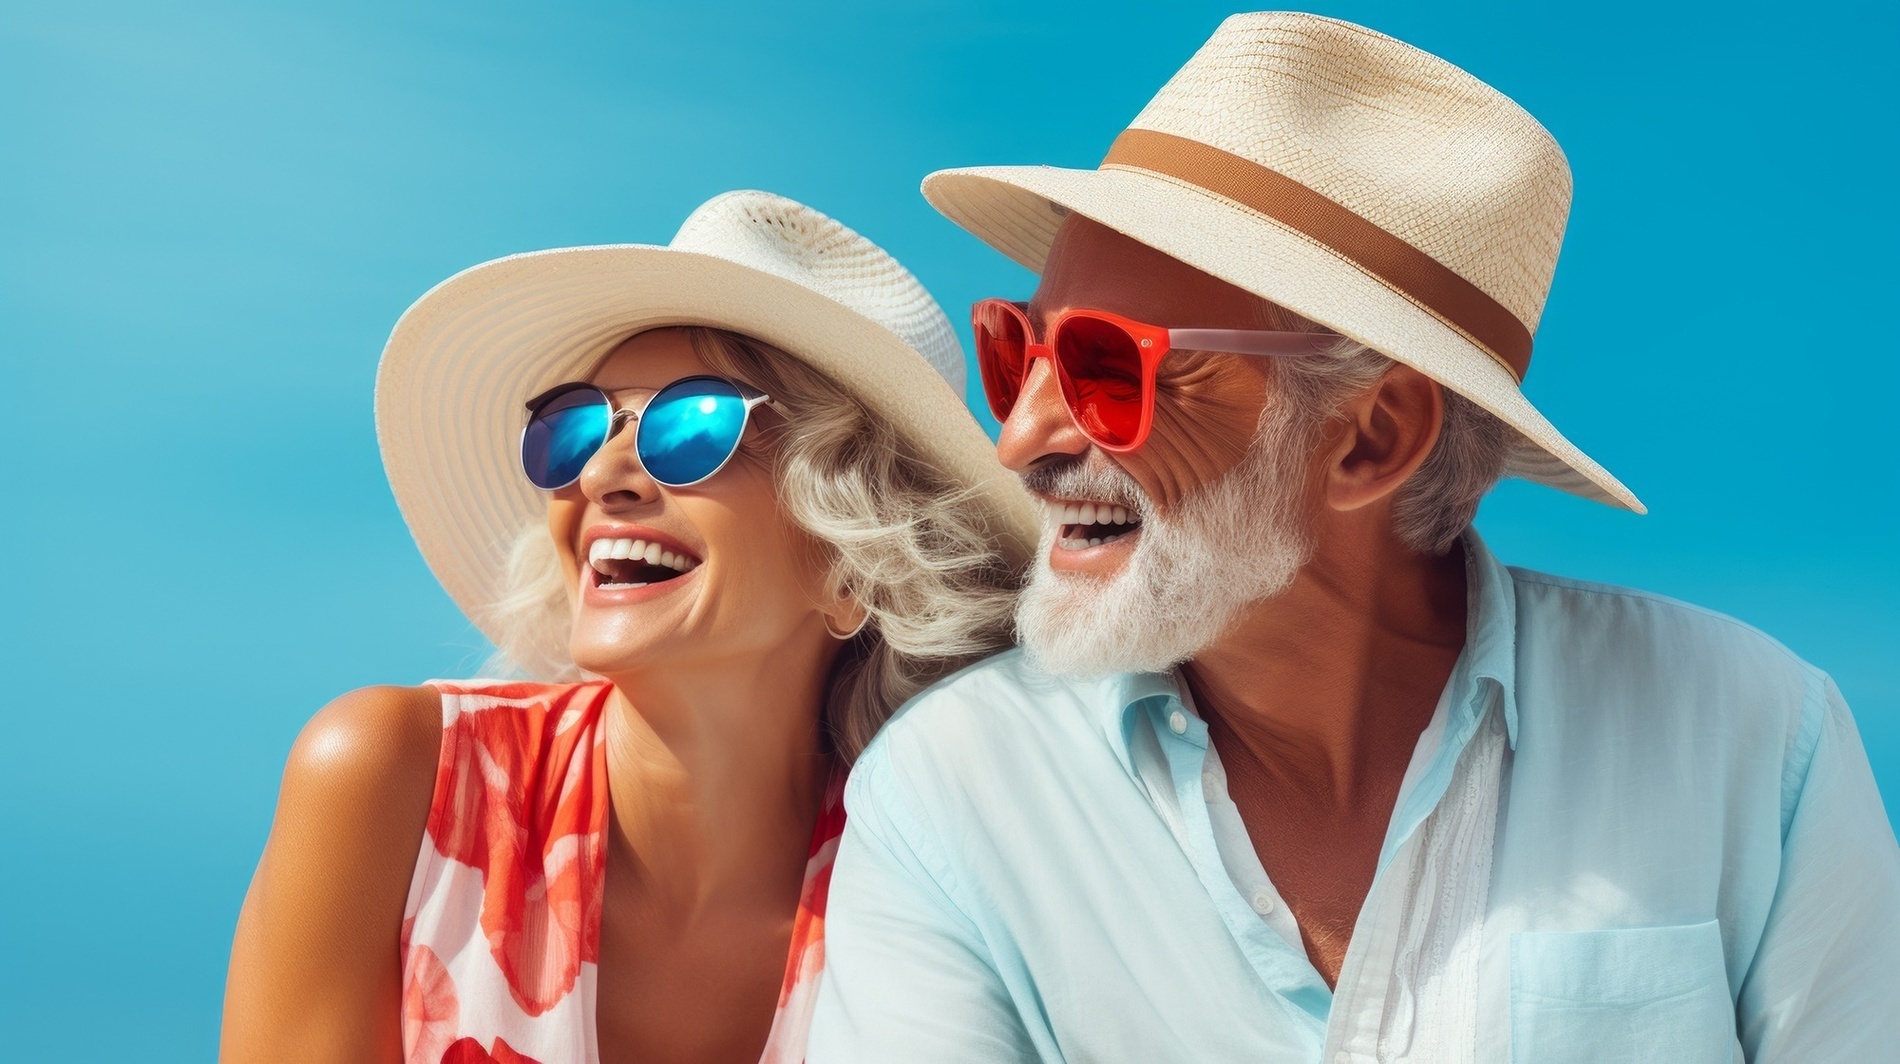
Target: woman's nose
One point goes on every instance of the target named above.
(614, 478)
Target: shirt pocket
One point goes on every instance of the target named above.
(1644, 994)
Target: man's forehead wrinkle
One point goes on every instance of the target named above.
(1094, 267)
(1116, 287)
(1209, 307)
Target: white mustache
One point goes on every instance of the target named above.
(1091, 478)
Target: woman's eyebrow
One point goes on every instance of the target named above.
(625, 389)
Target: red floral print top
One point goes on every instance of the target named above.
(501, 931)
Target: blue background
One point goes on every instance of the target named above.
(211, 215)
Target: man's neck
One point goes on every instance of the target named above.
(1315, 702)
(1328, 684)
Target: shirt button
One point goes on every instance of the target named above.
(1177, 722)
(1262, 901)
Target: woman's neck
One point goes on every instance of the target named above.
(716, 775)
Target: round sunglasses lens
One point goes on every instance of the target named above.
(1000, 346)
(562, 435)
(1102, 365)
(689, 430)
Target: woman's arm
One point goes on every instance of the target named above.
(315, 974)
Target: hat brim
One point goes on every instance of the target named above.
(1017, 210)
(465, 357)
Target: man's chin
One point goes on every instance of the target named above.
(1152, 615)
(1055, 619)
(1176, 587)
(1083, 625)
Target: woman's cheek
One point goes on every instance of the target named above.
(564, 521)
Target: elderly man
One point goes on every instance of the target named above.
(1291, 768)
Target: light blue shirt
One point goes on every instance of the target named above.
(1634, 830)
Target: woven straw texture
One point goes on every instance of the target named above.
(1401, 138)
(465, 357)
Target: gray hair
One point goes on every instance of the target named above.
(1439, 500)
(904, 540)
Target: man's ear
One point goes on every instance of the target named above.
(1383, 434)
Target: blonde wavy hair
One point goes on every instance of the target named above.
(903, 539)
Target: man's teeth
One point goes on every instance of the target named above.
(636, 550)
(1082, 516)
(1088, 513)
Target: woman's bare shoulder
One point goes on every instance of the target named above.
(376, 737)
(311, 965)
(360, 776)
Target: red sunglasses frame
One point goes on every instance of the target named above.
(1152, 342)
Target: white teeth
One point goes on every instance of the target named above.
(1084, 544)
(638, 550)
(1088, 513)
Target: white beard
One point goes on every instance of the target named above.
(1230, 543)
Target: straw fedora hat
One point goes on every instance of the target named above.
(465, 357)
(1351, 178)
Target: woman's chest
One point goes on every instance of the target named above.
(705, 992)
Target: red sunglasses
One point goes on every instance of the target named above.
(1105, 363)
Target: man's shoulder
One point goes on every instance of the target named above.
(1001, 696)
(999, 712)
(1609, 611)
(1639, 644)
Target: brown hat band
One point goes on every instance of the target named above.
(1423, 280)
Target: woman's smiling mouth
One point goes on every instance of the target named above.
(624, 564)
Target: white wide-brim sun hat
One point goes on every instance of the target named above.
(464, 359)
(1353, 179)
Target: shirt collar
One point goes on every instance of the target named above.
(1490, 631)
(1489, 658)
(1132, 698)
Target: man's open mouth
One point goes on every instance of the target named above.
(618, 564)
(1090, 523)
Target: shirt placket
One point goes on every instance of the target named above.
(1286, 972)
(1237, 854)
(1442, 858)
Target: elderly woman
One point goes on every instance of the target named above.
(723, 498)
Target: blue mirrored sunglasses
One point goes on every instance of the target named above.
(687, 432)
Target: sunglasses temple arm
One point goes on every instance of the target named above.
(755, 399)
(1250, 341)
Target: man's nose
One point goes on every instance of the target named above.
(1039, 425)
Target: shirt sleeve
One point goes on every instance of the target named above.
(1825, 978)
(907, 975)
